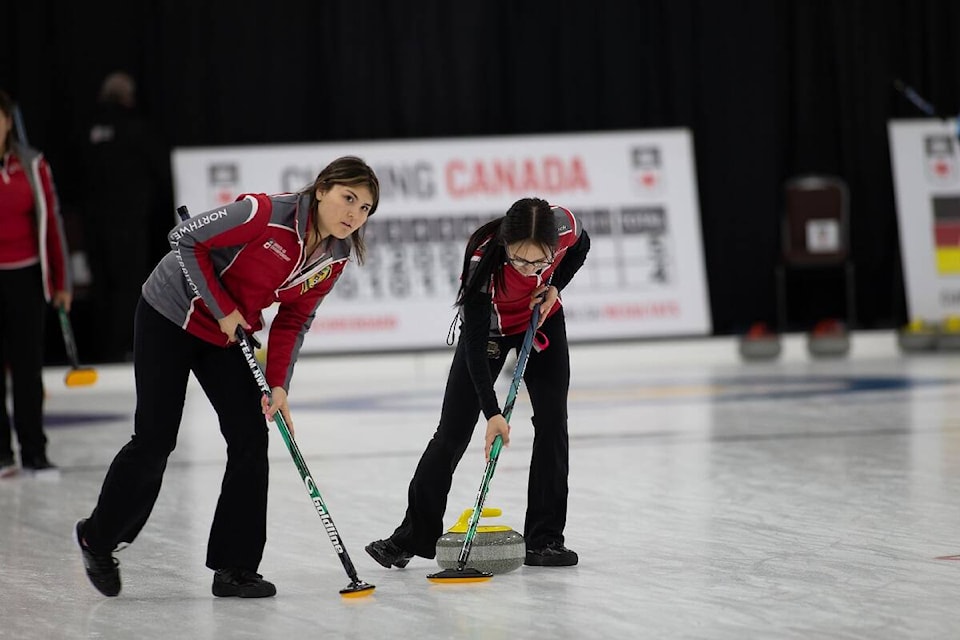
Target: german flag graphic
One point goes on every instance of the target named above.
(946, 230)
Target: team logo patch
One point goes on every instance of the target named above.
(316, 279)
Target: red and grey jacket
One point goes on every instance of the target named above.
(510, 310)
(506, 311)
(52, 241)
(247, 256)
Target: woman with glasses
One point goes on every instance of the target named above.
(511, 264)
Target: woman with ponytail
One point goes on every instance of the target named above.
(511, 264)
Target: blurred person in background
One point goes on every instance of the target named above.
(127, 210)
(33, 272)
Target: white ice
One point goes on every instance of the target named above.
(710, 498)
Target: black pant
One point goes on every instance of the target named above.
(548, 380)
(117, 276)
(22, 314)
(164, 356)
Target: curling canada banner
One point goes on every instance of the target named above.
(633, 191)
(926, 170)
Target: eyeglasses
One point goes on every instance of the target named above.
(520, 263)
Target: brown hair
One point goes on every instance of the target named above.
(349, 171)
(7, 106)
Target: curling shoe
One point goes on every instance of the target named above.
(552, 555)
(241, 583)
(388, 554)
(8, 467)
(103, 569)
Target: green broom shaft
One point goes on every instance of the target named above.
(298, 460)
(498, 441)
(68, 340)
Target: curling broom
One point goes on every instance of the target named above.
(77, 376)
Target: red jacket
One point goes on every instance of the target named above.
(28, 164)
(511, 305)
(247, 255)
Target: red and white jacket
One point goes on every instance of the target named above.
(247, 256)
(26, 183)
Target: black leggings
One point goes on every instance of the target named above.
(164, 356)
(22, 314)
(547, 379)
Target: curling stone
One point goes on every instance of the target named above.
(917, 336)
(759, 343)
(829, 338)
(949, 337)
(496, 548)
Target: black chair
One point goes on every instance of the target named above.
(816, 238)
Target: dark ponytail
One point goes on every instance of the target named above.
(529, 219)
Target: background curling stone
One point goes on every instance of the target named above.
(759, 343)
(948, 339)
(918, 336)
(829, 338)
(496, 548)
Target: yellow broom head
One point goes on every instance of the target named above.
(357, 590)
(80, 377)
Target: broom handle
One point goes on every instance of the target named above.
(68, 340)
(328, 526)
(498, 441)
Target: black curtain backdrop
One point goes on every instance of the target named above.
(770, 89)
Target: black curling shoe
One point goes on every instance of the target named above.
(552, 555)
(241, 583)
(102, 568)
(388, 554)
